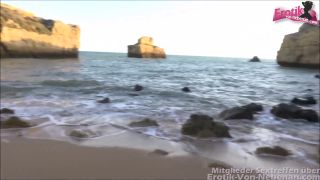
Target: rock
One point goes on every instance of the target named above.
(276, 150)
(307, 100)
(160, 152)
(145, 49)
(241, 112)
(133, 94)
(6, 111)
(105, 100)
(186, 89)
(255, 59)
(24, 35)
(144, 123)
(291, 111)
(14, 122)
(317, 76)
(203, 126)
(137, 87)
(86, 133)
(301, 49)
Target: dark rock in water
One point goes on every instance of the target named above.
(105, 100)
(203, 126)
(160, 152)
(133, 94)
(308, 100)
(82, 133)
(137, 87)
(254, 107)
(291, 111)
(317, 76)
(255, 59)
(6, 111)
(14, 122)
(276, 150)
(144, 123)
(241, 112)
(186, 89)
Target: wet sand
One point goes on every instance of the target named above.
(23, 158)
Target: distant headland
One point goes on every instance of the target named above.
(25, 35)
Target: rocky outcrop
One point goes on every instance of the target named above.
(145, 49)
(255, 59)
(203, 126)
(301, 49)
(291, 111)
(25, 35)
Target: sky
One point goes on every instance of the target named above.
(200, 28)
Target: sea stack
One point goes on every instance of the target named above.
(301, 49)
(145, 49)
(24, 35)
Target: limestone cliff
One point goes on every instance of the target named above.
(25, 35)
(145, 49)
(301, 49)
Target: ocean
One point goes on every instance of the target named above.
(60, 95)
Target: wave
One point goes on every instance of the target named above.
(70, 83)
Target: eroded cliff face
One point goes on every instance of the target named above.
(25, 35)
(301, 49)
(145, 49)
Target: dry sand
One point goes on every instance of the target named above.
(48, 159)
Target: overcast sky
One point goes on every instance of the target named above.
(205, 28)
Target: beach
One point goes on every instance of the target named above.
(48, 159)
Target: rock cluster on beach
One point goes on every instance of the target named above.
(24, 35)
(301, 49)
(145, 49)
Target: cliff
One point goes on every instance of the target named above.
(25, 35)
(301, 49)
(145, 49)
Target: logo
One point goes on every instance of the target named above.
(305, 14)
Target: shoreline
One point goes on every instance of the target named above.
(23, 158)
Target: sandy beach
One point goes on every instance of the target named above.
(48, 159)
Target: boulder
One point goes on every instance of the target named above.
(186, 89)
(138, 87)
(24, 35)
(203, 126)
(306, 100)
(6, 111)
(14, 122)
(104, 101)
(144, 123)
(301, 49)
(241, 112)
(291, 111)
(145, 49)
(275, 150)
(82, 133)
(255, 59)
(317, 76)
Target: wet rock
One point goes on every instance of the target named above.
(6, 111)
(307, 100)
(82, 133)
(186, 89)
(255, 59)
(241, 112)
(14, 122)
(144, 123)
(160, 152)
(203, 126)
(275, 150)
(138, 87)
(317, 76)
(291, 111)
(104, 101)
(133, 94)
